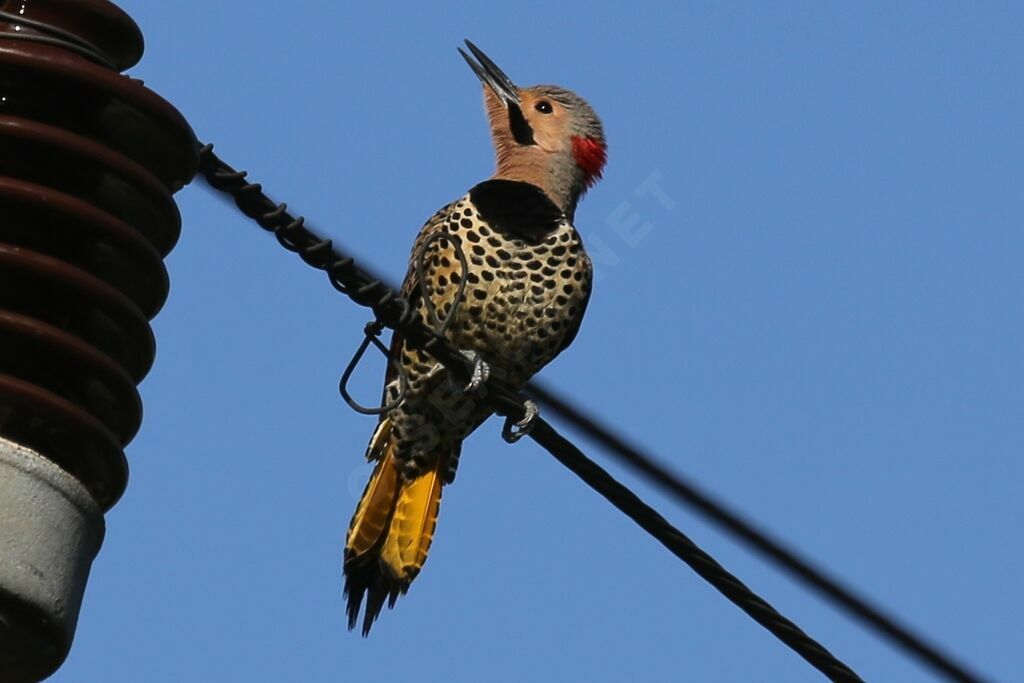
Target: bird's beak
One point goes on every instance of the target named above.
(491, 76)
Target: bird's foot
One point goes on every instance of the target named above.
(480, 374)
(513, 431)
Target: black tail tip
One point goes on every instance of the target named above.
(376, 584)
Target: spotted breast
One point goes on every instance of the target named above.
(527, 284)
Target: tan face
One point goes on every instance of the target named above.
(551, 125)
(551, 122)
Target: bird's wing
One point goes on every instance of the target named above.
(436, 223)
(574, 325)
(410, 290)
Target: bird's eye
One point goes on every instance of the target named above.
(544, 107)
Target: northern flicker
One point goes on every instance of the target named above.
(526, 286)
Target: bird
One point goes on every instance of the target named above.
(502, 273)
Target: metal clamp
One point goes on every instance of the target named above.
(372, 336)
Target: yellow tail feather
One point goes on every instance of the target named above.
(391, 530)
(412, 525)
(373, 514)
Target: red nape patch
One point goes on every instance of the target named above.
(590, 156)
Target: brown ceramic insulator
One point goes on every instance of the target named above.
(103, 24)
(89, 159)
(68, 366)
(44, 220)
(50, 85)
(75, 165)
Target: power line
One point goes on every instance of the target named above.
(685, 549)
(774, 550)
(395, 312)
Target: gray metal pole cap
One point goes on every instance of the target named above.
(50, 532)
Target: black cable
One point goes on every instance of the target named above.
(396, 313)
(686, 550)
(774, 550)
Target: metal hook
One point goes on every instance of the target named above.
(371, 336)
(512, 431)
(440, 326)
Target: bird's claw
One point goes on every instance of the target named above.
(513, 431)
(480, 374)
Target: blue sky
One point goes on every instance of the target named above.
(816, 317)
